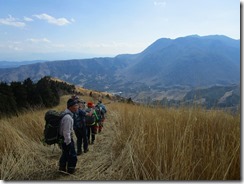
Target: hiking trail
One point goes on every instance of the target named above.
(93, 165)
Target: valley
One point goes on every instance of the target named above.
(167, 70)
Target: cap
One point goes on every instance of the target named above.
(71, 102)
(90, 104)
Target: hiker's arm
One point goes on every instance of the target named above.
(90, 113)
(67, 127)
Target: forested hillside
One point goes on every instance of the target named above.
(19, 96)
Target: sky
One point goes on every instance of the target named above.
(76, 29)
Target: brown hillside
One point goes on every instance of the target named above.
(137, 143)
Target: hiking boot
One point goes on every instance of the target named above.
(79, 153)
(62, 168)
(71, 170)
(89, 142)
(85, 151)
(92, 142)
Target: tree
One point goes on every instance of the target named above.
(33, 96)
(7, 100)
(48, 92)
(20, 94)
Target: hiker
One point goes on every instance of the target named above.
(68, 158)
(102, 111)
(91, 123)
(80, 128)
(74, 97)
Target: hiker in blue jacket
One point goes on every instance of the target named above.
(80, 128)
(102, 111)
(68, 159)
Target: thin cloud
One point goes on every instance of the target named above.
(52, 20)
(11, 21)
(159, 3)
(39, 40)
(27, 19)
(12, 47)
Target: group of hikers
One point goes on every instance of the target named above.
(86, 120)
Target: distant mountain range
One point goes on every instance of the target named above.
(14, 64)
(176, 65)
(188, 61)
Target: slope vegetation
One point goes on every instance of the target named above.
(137, 143)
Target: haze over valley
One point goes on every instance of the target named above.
(166, 69)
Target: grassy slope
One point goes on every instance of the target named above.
(178, 144)
(138, 143)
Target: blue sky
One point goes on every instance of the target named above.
(69, 29)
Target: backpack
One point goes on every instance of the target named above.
(98, 114)
(90, 120)
(102, 111)
(94, 118)
(52, 126)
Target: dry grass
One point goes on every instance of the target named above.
(141, 143)
(23, 155)
(176, 144)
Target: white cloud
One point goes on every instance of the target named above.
(11, 21)
(15, 48)
(159, 3)
(27, 19)
(53, 20)
(39, 40)
(13, 45)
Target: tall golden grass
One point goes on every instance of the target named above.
(176, 144)
(148, 144)
(23, 155)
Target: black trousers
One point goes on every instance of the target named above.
(68, 157)
(81, 135)
(91, 132)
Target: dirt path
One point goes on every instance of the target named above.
(94, 164)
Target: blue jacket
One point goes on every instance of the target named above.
(79, 119)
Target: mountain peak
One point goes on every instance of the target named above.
(191, 36)
(158, 45)
(191, 61)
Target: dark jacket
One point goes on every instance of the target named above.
(79, 119)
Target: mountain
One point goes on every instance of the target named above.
(93, 73)
(168, 65)
(227, 97)
(14, 64)
(215, 96)
(188, 61)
